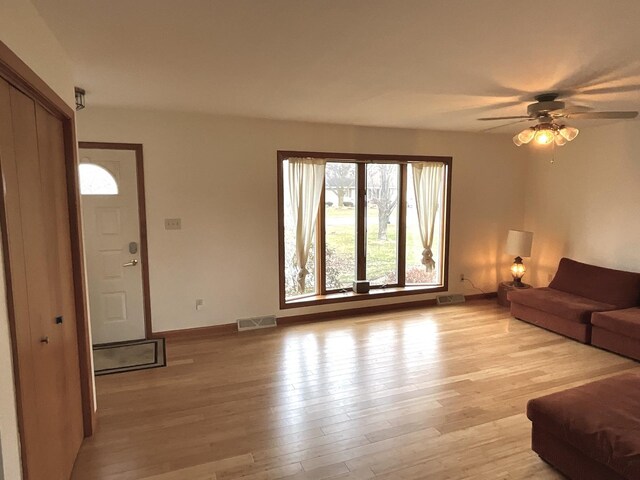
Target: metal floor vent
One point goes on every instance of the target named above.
(450, 299)
(257, 322)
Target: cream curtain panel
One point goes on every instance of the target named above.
(428, 179)
(306, 179)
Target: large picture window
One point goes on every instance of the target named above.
(348, 217)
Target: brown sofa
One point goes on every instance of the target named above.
(591, 432)
(577, 291)
(617, 331)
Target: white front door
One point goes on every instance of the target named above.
(109, 188)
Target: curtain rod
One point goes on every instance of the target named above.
(353, 160)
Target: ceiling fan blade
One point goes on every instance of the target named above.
(506, 124)
(605, 90)
(563, 112)
(507, 118)
(596, 115)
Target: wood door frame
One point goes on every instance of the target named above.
(19, 75)
(142, 220)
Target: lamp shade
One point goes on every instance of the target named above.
(519, 243)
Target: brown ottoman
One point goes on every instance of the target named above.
(591, 432)
(617, 331)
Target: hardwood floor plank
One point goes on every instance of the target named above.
(204, 471)
(436, 392)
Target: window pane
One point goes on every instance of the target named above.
(382, 223)
(415, 271)
(96, 180)
(340, 225)
(290, 270)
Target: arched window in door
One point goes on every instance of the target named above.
(96, 180)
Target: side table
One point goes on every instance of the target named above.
(506, 287)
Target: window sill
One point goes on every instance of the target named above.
(374, 294)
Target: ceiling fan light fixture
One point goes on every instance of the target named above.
(548, 112)
(569, 133)
(526, 135)
(544, 135)
(560, 140)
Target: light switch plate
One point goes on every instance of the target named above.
(172, 223)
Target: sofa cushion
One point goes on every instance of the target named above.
(601, 419)
(605, 285)
(562, 304)
(623, 322)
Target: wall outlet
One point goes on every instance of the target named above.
(199, 303)
(172, 223)
(462, 277)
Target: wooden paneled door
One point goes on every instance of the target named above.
(40, 276)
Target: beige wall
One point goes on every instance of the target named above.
(586, 205)
(219, 175)
(22, 30)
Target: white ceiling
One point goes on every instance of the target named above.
(433, 64)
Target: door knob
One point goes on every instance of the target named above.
(132, 263)
(44, 340)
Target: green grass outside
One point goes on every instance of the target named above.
(381, 254)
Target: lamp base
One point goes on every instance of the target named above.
(517, 272)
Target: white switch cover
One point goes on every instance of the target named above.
(172, 223)
(199, 304)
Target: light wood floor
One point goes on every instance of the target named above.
(428, 393)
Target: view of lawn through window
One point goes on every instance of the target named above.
(382, 223)
(340, 224)
(382, 194)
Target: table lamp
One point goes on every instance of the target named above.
(519, 244)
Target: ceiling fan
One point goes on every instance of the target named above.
(549, 113)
